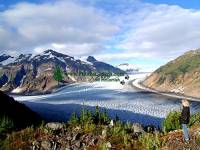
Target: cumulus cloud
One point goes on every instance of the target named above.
(123, 56)
(74, 49)
(163, 30)
(28, 26)
(111, 30)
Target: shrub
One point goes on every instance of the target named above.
(151, 141)
(198, 140)
(195, 118)
(74, 120)
(5, 125)
(89, 120)
(99, 117)
(86, 117)
(172, 121)
(19, 140)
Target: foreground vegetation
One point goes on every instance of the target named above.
(95, 130)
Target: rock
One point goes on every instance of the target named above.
(93, 142)
(35, 145)
(65, 146)
(150, 128)
(55, 126)
(104, 133)
(55, 145)
(87, 139)
(69, 137)
(137, 128)
(76, 145)
(111, 123)
(46, 145)
(76, 137)
(46, 131)
(77, 128)
(108, 145)
(196, 133)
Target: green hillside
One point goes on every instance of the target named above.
(189, 62)
(182, 73)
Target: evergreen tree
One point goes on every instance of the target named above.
(58, 74)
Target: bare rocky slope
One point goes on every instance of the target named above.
(35, 74)
(181, 76)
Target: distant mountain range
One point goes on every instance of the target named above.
(181, 75)
(128, 68)
(34, 74)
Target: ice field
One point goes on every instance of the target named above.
(125, 101)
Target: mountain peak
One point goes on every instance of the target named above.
(48, 51)
(91, 59)
(4, 58)
(51, 53)
(23, 58)
(128, 68)
(5, 55)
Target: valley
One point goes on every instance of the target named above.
(126, 101)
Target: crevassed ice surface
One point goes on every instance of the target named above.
(125, 101)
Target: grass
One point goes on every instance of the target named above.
(187, 63)
(198, 140)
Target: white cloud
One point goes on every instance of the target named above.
(72, 49)
(123, 56)
(123, 30)
(29, 26)
(163, 30)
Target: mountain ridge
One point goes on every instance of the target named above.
(128, 68)
(29, 74)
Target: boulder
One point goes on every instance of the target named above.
(137, 128)
(111, 123)
(55, 126)
(46, 145)
(108, 145)
(76, 137)
(104, 133)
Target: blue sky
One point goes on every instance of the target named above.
(194, 4)
(147, 33)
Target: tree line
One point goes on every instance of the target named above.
(58, 74)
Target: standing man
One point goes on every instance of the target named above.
(185, 118)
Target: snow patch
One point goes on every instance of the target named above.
(129, 68)
(17, 90)
(84, 60)
(8, 61)
(72, 78)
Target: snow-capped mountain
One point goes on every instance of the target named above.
(103, 67)
(128, 68)
(6, 59)
(28, 73)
